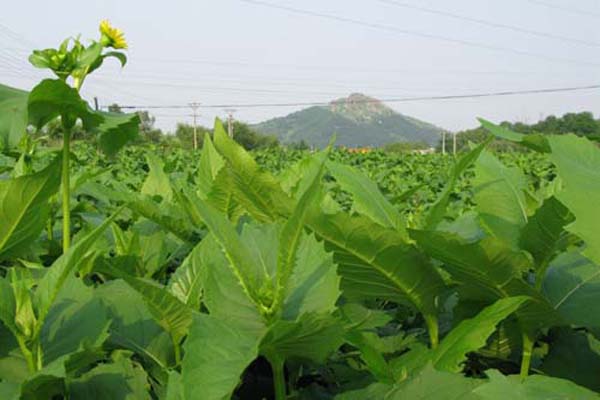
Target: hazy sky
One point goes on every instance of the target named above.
(238, 51)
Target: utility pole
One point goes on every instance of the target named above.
(230, 112)
(96, 106)
(194, 107)
(443, 142)
(454, 143)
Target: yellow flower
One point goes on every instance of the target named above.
(112, 37)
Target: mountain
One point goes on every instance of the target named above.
(358, 121)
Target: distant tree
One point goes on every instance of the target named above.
(405, 147)
(147, 130)
(250, 139)
(301, 145)
(185, 133)
(115, 108)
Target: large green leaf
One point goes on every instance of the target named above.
(13, 116)
(311, 337)
(544, 235)
(216, 354)
(122, 379)
(210, 165)
(438, 210)
(157, 182)
(377, 263)
(256, 190)
(53, 98)
(472, 334)
(535, 142)
(76, 320)
(577, 161)
(572, 286)
(186, 282)
(290, 238)
(535, 387)
(133, 326)
(236, 251)
(24, 207)
(49, 286)
(115, 130)
(574, 355)
(500, 196)
(171, 314)
(368, 200)
(489, 270)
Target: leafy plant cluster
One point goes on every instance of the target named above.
(224, 280)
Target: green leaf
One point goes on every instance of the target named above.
(51, 283)
(210, 165)
(574, 355)
(544, 235)
(535, 142)
(312, 337)
(500, 196)
(290, 238)
(76, 320)
(226, 236)
(157, 182)
(133, 326)
(377, 263)
(472, 334)
(53, 98)
(171, 314)
(186, 282)
(535, 387)
(216, 355)
(577, 161)
(488, 270)
(122, 379)
(368, 200)
(572, 286)
(13, 116)
(438, 210)
(116, 130)
(24, 207)
(256, 190)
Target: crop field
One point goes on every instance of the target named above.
(145, 272)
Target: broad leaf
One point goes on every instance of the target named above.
(157, 182)
(368, 200)
(116, 130)
(438, 210)
(577, 161)
(24, 207)
(572, 286)
(500, 196)
(186, 281)
(13, 116)
(53, 98)
(535, 142)
(535, 387)
(216, 355)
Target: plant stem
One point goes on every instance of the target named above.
(66, 191)
(432, 327)
(277, 365)
(177, 351)
(526, 358)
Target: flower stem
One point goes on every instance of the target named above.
(277, 365)
(66, 191)
(526, 358)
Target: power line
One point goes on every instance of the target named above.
(585, 13)
(389, 100)
(394, 29)
(489, 23)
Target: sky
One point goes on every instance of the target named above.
(243, 52)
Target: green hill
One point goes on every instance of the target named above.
(358, 121)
